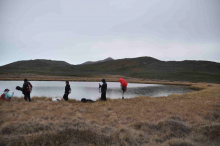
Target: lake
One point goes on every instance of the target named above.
(90, 90)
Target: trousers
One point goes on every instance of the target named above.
(65, 97)
(27, 96)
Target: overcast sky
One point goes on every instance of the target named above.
(76, 31)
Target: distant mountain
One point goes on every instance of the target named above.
(38, 63)
(142, 67)
(93, 62)
(39, 66)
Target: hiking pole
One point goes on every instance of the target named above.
(99, 88)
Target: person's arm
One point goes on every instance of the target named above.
(31, 85)
(102, 88)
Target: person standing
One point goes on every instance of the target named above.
(103, 90)
(67, 91)
(27, 88)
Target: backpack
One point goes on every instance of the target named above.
(3, 96)
(70, 91)
(29, 88)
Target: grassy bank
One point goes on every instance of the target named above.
(188, 119)
(95, 78)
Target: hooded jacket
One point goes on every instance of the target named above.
(25, 85)
(67, 89)
(104, 86)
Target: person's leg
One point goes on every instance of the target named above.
(29, 96)
(25, 97)
(64, 97)
(123, 91)
(103, 96)
(67, 97)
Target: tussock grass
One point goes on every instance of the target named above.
(179, 142)
(41, 98)
(188, 119)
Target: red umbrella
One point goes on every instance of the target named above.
(123, 82)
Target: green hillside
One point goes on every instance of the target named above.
(142, 67)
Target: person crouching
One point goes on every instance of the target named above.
(6, 95)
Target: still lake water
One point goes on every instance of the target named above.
(90, 90)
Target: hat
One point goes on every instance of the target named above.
(6, 90)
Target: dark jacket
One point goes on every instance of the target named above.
(104, 86)
(25, 85)
(67, 89)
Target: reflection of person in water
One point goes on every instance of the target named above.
(103, 90)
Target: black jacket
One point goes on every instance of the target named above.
(67, 89)
(104, 87)
(25, 85)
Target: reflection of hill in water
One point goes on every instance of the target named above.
(153, 91)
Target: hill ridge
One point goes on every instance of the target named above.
(93, 62)
(141, 67)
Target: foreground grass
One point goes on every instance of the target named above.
(188, 119)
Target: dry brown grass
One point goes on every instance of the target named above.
(177, 120)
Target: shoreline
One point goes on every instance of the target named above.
(109, 78)
(191, 85)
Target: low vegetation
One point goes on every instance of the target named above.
(142, 67)
(190, 119)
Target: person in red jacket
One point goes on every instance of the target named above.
(123, 86)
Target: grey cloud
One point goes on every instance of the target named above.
(183, 19)
(78, 31)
